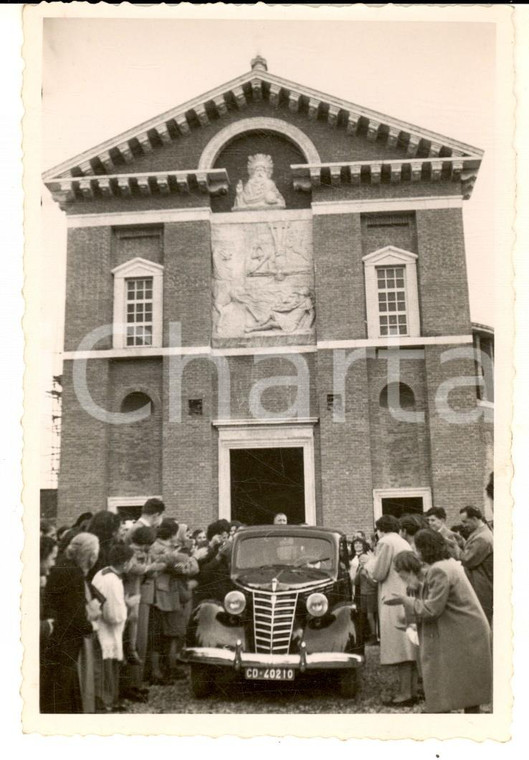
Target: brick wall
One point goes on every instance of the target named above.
(83, 476)
(400, 450)
(346, 481)
(339, 277)
(245, 374)
(135, 450)
(145, 242)
(442, 275)
(89, 284)
(456, 449)
(380, 230)
(187, 281)
(186, 444)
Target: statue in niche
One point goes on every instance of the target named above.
(260, 190)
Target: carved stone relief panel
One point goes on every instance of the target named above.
(263, 278)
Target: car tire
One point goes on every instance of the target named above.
(349, 683)
(202, 680)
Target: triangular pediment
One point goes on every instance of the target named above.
(258, 85)
(372, 145)
(138, 267)
(390, 254)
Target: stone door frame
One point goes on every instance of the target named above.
(281, 434)
(402, 493)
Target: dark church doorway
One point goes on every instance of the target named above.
(405, 505)
(265, 482)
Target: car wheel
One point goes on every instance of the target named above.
(202, 680)
(349, 683)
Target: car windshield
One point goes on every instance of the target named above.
(288, 551)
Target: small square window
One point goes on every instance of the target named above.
(195, 407)
(335, 403)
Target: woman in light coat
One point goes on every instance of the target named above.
(395, 646)
(454, 635)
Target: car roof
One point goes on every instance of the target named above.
(289, 530)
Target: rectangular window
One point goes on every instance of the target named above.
(391, 284)
(139, 311)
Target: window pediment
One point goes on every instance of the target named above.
(138, 267)
(389, 255)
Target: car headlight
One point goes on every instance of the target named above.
(234, 602)
(317, 605)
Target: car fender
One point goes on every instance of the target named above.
(335, 632)
(211, 626)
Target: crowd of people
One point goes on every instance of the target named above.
(427, 593)
(115, 603)
(116, 600)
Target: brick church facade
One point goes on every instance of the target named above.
(267, 310)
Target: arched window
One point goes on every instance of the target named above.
(136, 400)
(397, 393)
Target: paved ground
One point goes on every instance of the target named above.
(301, 697)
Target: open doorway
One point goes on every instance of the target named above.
(408, 505)
(265, 481)
(401, 501)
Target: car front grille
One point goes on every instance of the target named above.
(273, 619)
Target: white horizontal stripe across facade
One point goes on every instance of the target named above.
(366, 205)
(155, 216)
(141, 352)
(159, 216)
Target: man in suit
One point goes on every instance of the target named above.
(151, 517)
(478, 557)
(436, 517)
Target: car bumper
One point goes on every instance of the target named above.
(302, 662)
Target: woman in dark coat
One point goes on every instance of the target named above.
(69, 603)
(106, 526)
(454, 635)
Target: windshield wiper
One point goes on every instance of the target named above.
(271, 566)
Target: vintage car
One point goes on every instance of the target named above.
(284, 609)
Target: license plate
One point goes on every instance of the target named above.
(270, 674)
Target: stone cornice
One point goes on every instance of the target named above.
(66, 190)
(257, 84)
(478, 327)
(464, 170)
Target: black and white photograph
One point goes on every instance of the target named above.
(269, 297)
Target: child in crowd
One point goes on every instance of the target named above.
(366, 592)
(110, 626)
